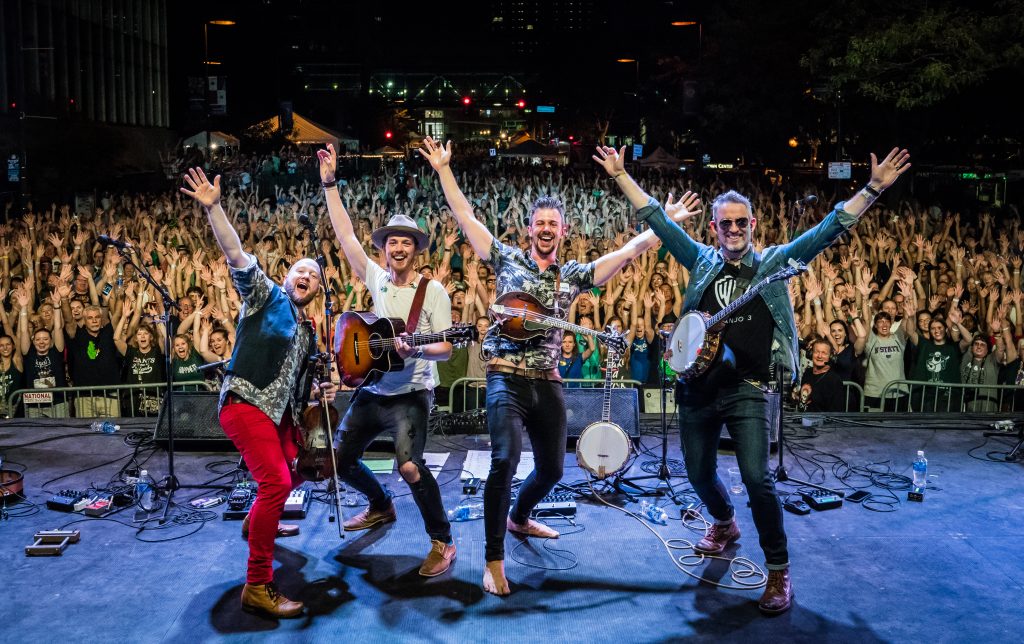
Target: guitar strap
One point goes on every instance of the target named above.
(417, 306)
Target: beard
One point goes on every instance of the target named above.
(300, 299)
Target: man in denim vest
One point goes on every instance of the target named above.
(758, 334)
(264, 391)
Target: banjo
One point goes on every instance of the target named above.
(696, 338)
(603, 448)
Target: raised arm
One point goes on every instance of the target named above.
(208, 196)
(340, 219)
(475, 231)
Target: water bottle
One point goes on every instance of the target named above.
(144, 491)
(104, 426)
(654, 512)
(920, 470)
(466, 511)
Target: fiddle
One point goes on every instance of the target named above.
(314, 461)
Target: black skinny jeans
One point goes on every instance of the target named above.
(515, 403)
(367, 417)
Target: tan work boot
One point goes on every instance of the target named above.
(265, 599)
(369, 518)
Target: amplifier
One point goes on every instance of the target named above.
(583, 407)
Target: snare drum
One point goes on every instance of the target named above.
(603, 449)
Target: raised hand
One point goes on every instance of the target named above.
(205, 193)
(611, 160)
(328, 163)
(687, 206)
(886, 173)
(436, 154)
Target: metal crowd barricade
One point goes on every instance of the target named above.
(467, 394)
(853, 395)
(953, 397)
(111, 401)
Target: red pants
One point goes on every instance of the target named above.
(268, 449)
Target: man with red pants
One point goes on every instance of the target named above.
(263, 392)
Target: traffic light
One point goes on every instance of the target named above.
(388, 135)
(466, 100)
(520, 103)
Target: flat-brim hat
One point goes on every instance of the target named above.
(399, 225)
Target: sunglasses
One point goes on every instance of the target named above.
(726, 224)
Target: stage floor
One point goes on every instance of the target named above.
(945, 570)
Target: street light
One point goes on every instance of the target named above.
(700, 35)
(206, 38)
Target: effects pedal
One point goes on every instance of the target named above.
(65, 501)
(100, 506)
(822, 500)
(297, 504)
(471, 485)
(240, 500)
(562, 503)
(797, 507)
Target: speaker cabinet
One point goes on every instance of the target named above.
(197, 425)
(584, 406)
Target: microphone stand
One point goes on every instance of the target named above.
(169, 306)
(321, 262)
(781, 475)
(664, 476)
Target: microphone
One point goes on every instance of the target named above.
(809, 200)
(106, 240)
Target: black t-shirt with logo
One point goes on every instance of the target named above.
(745, 350)
(95, 360)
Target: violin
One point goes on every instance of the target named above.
(315, 461)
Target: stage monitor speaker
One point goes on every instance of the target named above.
(583, 406)
(196, 425)
(772, 412)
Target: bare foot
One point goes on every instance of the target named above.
(494, 578)
(532, 529)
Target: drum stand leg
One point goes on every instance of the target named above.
(664, 476)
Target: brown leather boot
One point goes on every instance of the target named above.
(439, 560)
(283, 529)
(778, 593)
(264, 599)
(369, 518)
(717, 538)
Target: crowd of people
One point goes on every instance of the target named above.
(912, 293)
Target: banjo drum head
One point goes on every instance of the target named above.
(687, 338)
(603, 449)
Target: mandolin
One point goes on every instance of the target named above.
(522, 317)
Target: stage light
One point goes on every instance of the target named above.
(793, 142)
(466, 100)
(223, 23)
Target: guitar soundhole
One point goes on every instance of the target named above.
(355, 347)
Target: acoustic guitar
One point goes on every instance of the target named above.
(366, 344)
(696, 338)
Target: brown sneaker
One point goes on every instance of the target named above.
(778, 593)
(283, 529)
(439, 560)
(531, 529)
(264, 599)
(717, 538)
(369, 518)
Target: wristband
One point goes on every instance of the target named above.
(875, 193)
(618, 174)
(329, 184)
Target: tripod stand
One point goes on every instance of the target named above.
(1014, 453)
(664, 476)
(781, 475)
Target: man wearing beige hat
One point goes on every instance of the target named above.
(398, 400)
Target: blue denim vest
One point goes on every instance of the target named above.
(261, 339)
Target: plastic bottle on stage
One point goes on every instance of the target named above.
(144, 491)
(104, 426)
(920, 470)
(654, 512)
